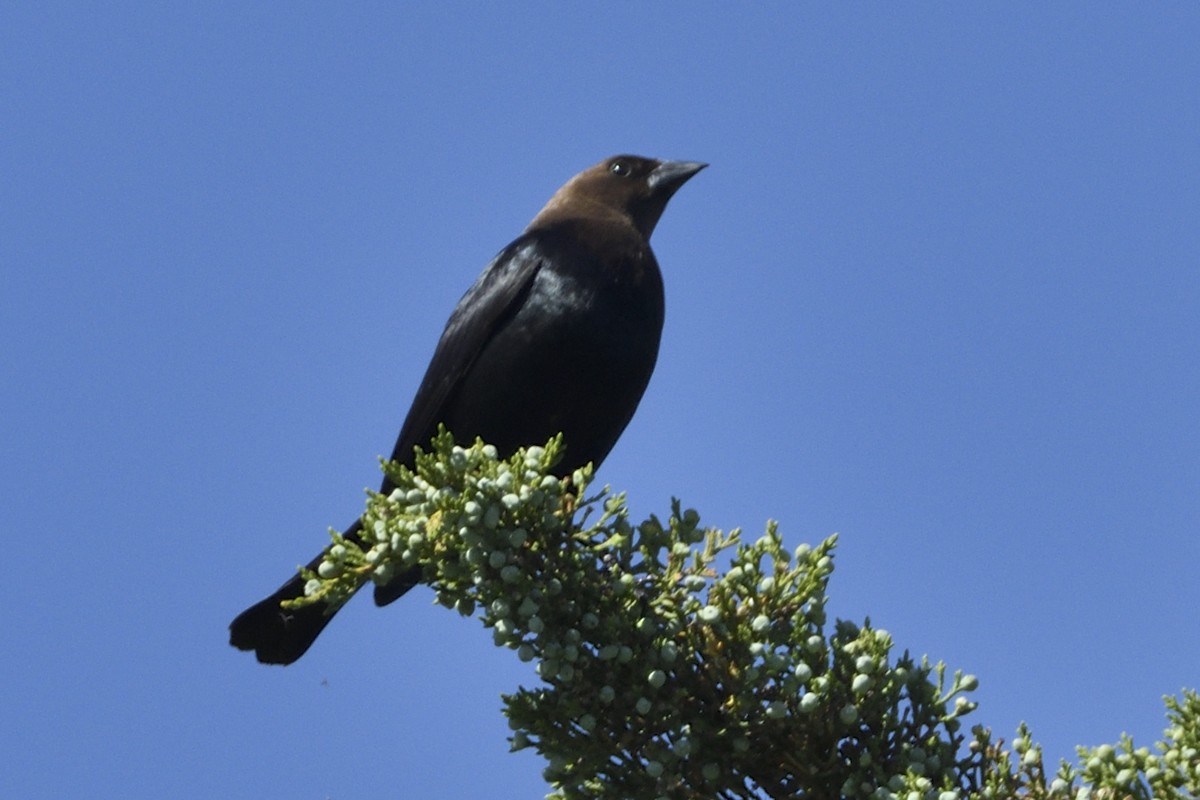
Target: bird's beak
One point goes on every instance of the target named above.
(668, 176)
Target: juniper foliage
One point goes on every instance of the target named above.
(679, 662)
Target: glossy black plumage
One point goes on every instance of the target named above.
(559, 334)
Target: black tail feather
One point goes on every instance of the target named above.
(281, 635)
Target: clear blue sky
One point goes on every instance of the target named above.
(937, 292)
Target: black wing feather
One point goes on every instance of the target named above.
(486, 306)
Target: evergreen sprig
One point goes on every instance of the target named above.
(667, 675)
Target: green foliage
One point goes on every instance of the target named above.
(665, 677)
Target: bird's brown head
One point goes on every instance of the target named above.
(628, 190)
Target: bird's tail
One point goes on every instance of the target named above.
(280, 635)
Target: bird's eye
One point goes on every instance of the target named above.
(619, 168)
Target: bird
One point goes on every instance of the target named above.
(559, 334)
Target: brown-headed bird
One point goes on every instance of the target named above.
(558, 335)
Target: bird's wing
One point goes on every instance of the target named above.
(487, 305)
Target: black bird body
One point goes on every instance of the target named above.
(560, 333)
(534, 349)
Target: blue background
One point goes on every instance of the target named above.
(937, 292)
